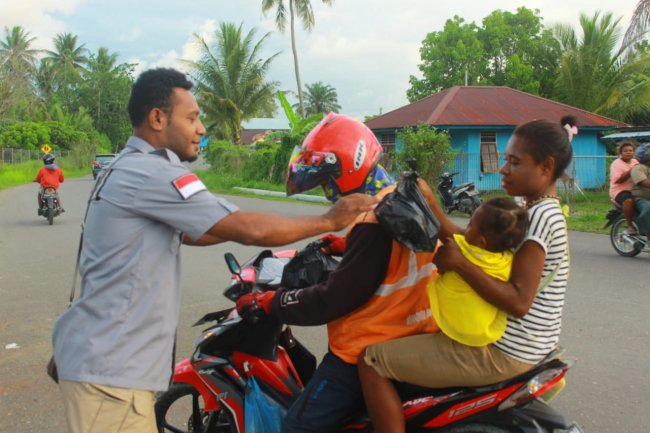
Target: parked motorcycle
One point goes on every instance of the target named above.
(49, 205)
(463, 197)
(625, 243)
(207, 394)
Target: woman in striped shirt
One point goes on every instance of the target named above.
(533, 297)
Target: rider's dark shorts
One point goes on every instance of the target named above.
(622, 196)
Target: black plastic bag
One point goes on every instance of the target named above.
(406, 215)
(308, 267)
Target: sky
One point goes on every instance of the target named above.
(365, 49)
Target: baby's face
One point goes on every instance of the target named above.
(472, 234)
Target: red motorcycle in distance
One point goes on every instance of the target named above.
(207, 394)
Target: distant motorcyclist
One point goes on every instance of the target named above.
(49, 176)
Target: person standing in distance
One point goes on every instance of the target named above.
(114, 345)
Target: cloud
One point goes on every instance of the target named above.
(37, 17)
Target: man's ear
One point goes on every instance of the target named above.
(157, 119)
(482, 242)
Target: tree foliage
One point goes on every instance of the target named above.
(303, 11)
(320, 98)
(594, 72)
(431, 148)
(508, 49)
(231, 80)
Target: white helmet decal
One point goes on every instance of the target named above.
(360, 154)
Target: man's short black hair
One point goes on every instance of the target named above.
(155, 89)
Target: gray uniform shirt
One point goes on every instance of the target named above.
(120, 332)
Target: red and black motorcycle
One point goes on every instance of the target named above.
(208, 389)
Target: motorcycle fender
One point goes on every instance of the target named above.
(534, 416)
(184, 373)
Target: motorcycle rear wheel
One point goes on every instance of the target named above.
(50, 215)
(623, 244)
(180, 409)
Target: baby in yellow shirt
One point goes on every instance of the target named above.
(496, 228)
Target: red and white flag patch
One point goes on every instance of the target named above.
(188, 185)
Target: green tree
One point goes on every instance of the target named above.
(596, 75)
(320, 98)
(105, 91)
(431, 149)
(68, 61)
(509, 49)
(450, 57)
(303, 11)
(17, 68)
(231, 80)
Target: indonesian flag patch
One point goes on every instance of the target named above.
(188, 185)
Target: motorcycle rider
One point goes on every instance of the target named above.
(49, 176)
(620, 182)
(640, 175)
(378, 290)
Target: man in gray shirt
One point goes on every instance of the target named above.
(114, 345)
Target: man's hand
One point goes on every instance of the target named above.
(348, 208)
(252, 302)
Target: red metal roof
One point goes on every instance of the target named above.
(485, 105)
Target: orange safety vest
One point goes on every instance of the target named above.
(399, 307)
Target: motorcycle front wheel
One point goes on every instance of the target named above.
(624, 244)
(50, 215)
(180, 409)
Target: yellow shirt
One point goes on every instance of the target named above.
(458, 310)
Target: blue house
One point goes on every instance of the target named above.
(481, 119)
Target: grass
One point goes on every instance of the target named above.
(24, 172)
(589, 210)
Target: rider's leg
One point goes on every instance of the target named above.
(331, 395)
(382, 401)
(628, 212)
(58, 199)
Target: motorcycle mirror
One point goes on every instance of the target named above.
(233, 264)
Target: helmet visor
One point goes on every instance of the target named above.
(309, 169)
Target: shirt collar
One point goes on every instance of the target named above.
(143, 146)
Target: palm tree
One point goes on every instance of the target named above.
(320, 98)
(230, 76)
(301, 8)
(595, 75)
(68, 60)
(17, 68)
(16, 56)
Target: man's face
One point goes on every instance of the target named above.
(184, 128)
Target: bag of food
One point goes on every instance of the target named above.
(308, 267)
(406, 215)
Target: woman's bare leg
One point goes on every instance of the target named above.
(383, 402)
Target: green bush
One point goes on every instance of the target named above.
(430, 148)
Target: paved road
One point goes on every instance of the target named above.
(606, 321)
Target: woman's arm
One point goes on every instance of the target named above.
(514, 296)
(447, 226)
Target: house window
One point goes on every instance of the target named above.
(388, 142)
(489, 152)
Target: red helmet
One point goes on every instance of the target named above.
(340, 150)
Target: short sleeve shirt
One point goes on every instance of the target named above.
(638, 174)
(530, 338)
(120, 332)
(617, 169)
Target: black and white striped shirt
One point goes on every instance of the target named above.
(532, 337)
